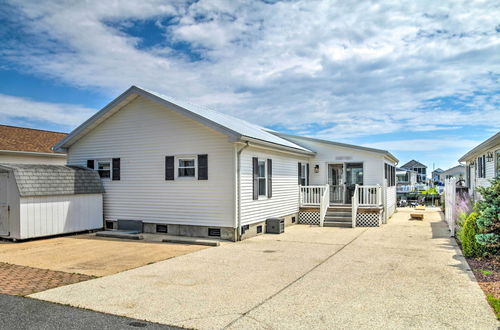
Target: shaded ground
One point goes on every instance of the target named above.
(22, 280)
(89, 255)
(406, 274)
(487, 272)
(19, 313)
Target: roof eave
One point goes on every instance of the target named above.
(277, 146)
(491, 142)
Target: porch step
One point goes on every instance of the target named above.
(339, 209)
(337, 224)
(337, 219)
(339, 214)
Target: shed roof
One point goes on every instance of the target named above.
(49, 180)
(14, 138)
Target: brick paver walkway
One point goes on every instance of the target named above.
(22, 280)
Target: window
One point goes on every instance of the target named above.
(104, 168)
(481, 166)
(390, 175)
(303, 174)
(262, 178)
(186, 167)
(498, 162)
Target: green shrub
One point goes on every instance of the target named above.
(495, 304)
(467, 236)
(488, 221)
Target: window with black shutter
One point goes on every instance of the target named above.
(202, 167)
(169, 167)
(300, 173)
(269, 178)
(116, 169)
(255, 178)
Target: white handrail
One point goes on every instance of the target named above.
(311, 195)
(325, 203)
(369, 195)
(354, 201)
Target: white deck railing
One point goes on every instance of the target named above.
(354, 204)
(311, 195)
(325, 203)
(369, 195)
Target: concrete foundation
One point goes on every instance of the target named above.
(290, 219)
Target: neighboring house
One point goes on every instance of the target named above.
(188, 170)
(435, 175)
(457, 172)
(20, 145)
(418, 167)
(406, 180)
(482, 164)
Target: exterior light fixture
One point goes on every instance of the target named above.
(489, 157)
(316, 168)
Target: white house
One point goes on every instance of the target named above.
(406, 180)
(418, 167)
(19, 145)
(457, 172)
(187, 170)
(482, 164)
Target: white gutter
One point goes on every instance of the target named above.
(33, 153)
(238, 190)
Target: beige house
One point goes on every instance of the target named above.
(19, 145)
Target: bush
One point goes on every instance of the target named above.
(488, 220)
(467, 236)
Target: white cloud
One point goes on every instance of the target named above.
(357, 68)
(14, 110)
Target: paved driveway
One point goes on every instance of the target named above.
(406, 274)
(88, 254)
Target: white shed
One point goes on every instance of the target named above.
(44, 200)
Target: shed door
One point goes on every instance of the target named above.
(4, 206)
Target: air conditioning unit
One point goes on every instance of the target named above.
(275, 225)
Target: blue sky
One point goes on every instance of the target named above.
(419, 79)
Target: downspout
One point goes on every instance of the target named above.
(238, 185)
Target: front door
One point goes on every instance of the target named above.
(354, 176)
(4, 206)
(336, 182)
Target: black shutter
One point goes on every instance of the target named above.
(116, 169)
(307, 174)
(169, 168)
(300, 172)
(269, 178)
(90, 164)
(202, 167)
(255, 166)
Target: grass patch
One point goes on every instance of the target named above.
(485, 272)
(495, 304)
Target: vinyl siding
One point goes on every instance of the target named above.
(10, 158)
(373, 168)
(141, 134)
(52, 215)
(490, 171)
(285, 199)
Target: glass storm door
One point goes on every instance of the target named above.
(335, 180)
(354, 176)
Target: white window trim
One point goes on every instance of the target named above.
(263, 197)
(102, 160)
(186, 157)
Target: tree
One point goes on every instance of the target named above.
(488, 221)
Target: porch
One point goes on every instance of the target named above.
(331, 206)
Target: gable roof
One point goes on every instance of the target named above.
(413, 163)
(49, 180)
(14, 138)
(451, 169)
(338, 144)
(491, 142)
(438, 170)
(236, 129)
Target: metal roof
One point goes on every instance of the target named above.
(413, 163)
(491, 142)
(49, 180)
(235, 128)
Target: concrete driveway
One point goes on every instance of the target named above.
(88, 254)
(406, 274)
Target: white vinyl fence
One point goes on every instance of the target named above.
(450, 196)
